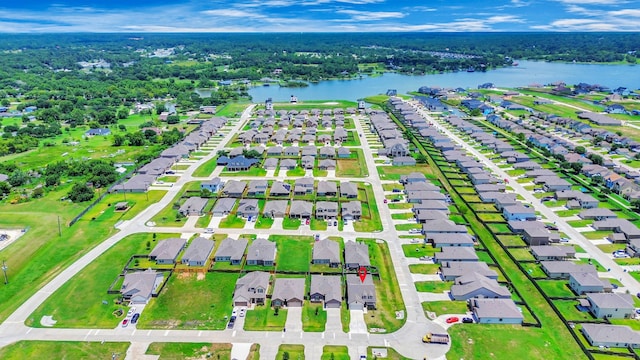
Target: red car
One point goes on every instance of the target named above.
(452, 320)
(385, 201)
(125, 322)
(307, 223)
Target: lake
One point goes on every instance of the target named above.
(528, 72)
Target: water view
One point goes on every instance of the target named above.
(528, 72)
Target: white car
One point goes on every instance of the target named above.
(131, 311)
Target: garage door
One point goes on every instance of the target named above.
(332, 305)
(356, 306)
(294, 303)
(241, 303)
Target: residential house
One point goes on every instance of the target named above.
(214, 185)
(198, 252)
(307, 162)
(360, 294)
(404, 161)
(612, 336)
(326, 289)
(251, 289)
(356, 255)
(553, 253)
(257, 187)
(327, 152)
(261, 252)
(138, 287)
(327, 164)
(270, 164)
(519, 212)
(450, 240)
(194, 206)
(587, 282)
(455, 253)
(300, 209)
(441, 227)
(275, 208)
(351, 210)
(454, 269)
(495, 311)
(348, 190)
(475, 285)
(279, 188)
(564, 269)
(327, 188)
(223, 207)
(326, 210)
(231, 250)
(288, 292)
(234, 188)
(326, 252)
(248, 208)
(343, 152)
(303, 186)
(167, 250)
(413, 177)
(611, 305)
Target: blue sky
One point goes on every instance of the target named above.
(35, 16)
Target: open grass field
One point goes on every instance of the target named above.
(263, 318)
(433, 286)
(556, 288)
(424, 268)
(370, 219)
(314, 317)
(206, 169)
(191, 301)
(394, 172)
(62, 350)
(176, 351)
(335, 352)
(232, 110)
(78, 303)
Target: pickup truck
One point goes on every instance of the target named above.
(436, 338)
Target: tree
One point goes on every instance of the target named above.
(635, 204)
(421, 159)
(52, 180)
(118, 140)
(576, 167)
(18, 178)
(5, 188)
(173, 119)
(580, 150)
(38, 192)
(80, 192)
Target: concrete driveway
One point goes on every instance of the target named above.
(357, 324)
(294, 319)
(334, 324)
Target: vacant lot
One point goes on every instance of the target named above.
(171, 351)
(61, 350)
(264, 318)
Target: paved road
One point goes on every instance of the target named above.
(406, 340)
(616, 270)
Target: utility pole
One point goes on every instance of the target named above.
(4, 269)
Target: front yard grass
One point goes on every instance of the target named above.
(263, 318)
(569, 310)
(206, 169)
(232, 222)
(290, 224)
(424, 268)
(445, 307)
(61, 350)
(418, 250)
(556, 288)
(202, 308)
(335, 352)
(294, 352)
(314, 317)
(433, 286)
(171, 351)
(264, 222)
(78, 303)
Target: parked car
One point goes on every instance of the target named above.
(396, 190)
(232, 322)
(131, 311)
(386, 201)
(452, 320)
(467, 320)
(135, 318)
(307, 222)
(335, 223)
(414, 231)
(241, 312)
(125, 322)
(208, 231)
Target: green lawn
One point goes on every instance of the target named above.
(232, 222)
(206, 169)
(294, 252)
(389, 298)
(62, 350)
(314, 317)
(418, 250)
(445, 307)
(264, 222)
(433, 286)
(370, 219)
(171, 351)
(202, 309)
(263, 318)
(78, 303)
(335, 352)
(424, 268)
(294, 352)
(473, 342)
(570, 312)
(290, 224)
(556, 288)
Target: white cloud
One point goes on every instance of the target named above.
(626, 12)
(504, 19)
(371, 15)
(232, 13)
(593, 2)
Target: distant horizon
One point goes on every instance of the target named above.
(319, 16)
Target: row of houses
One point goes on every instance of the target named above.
(299, 187)
(294, 209)
(268, 135)
(394, 144)
(147, 174)
(252, 289)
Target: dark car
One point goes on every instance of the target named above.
(467, 320)
(135, 318)
(231, 323)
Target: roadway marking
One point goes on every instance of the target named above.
(166, 333)
(97, 331)
(28, 331)
(233, 334)
(199, 333)
(134, 332)
(149, 333)
(323, 335)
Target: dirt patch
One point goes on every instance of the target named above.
(200, 276)
(183, 275)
